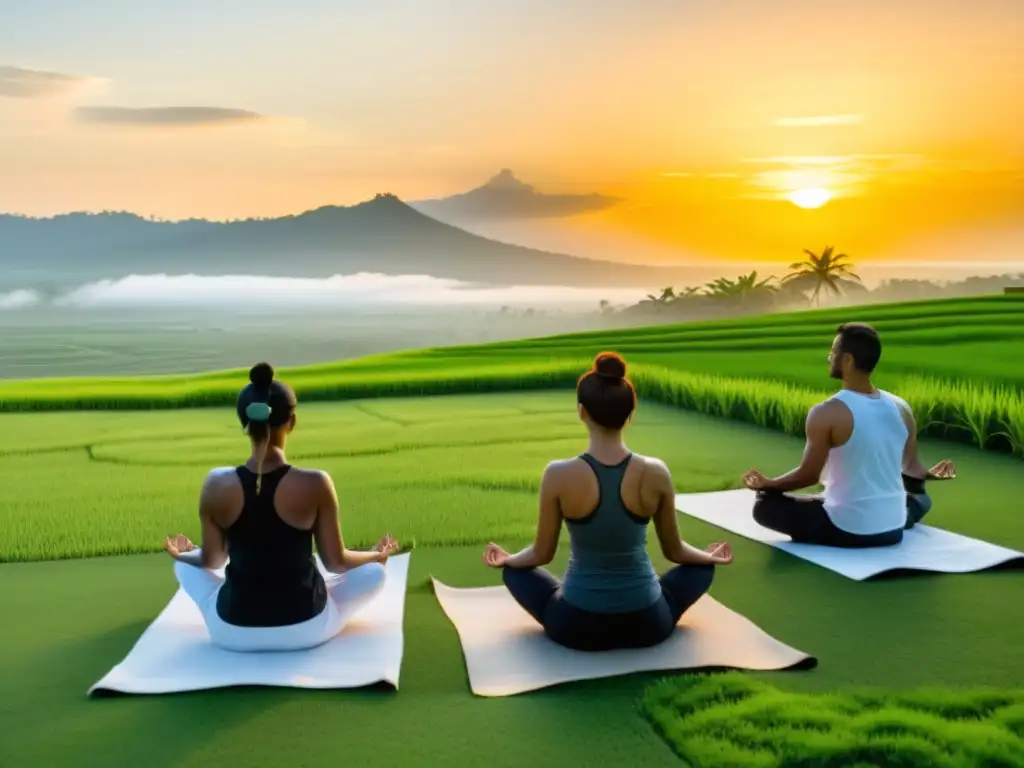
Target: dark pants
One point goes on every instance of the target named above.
(540, 594)
(804, 519)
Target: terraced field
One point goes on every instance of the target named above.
(446, 474)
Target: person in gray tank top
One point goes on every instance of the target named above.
(864, 440)
(611, 596)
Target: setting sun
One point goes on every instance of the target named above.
(813, 197)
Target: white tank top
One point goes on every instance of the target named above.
(863, 479)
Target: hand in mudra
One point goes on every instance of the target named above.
(386, 546)
(176, 545)
(721, 552)
(755, 480)
(495, 556)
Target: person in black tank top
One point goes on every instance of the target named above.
(271, 578)
(259, 522)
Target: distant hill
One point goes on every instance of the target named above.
(506, 197)
(382, 235)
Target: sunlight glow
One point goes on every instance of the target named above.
(811, 197)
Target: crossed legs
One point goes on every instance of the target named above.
(347, 592)
(540, 595)
(803, 518)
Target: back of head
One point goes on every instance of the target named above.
(605, 393)
(861, 342)
(264, 404)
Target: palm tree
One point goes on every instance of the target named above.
(827, 270)
(743, 287)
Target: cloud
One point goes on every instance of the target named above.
(353, 291)
(20, 299)
(678, 174)
(21, 83)
(818, 120)
(166, 116)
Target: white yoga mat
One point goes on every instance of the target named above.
(923, 548)
(507, 652)
(175, 653)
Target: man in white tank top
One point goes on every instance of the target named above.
(862, 446)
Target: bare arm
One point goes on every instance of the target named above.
(912, 466)
(327, 532)
(818, 430)
(666, 519)
(213, 552)
(549, 525)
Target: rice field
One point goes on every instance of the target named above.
(955, 361)
(98, 467)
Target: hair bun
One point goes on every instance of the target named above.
(610, 365)
(261, 375)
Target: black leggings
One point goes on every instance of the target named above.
(804, 519)
(540, 594)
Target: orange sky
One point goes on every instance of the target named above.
(704, 115)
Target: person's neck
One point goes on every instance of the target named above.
(273, 459)
(607, 447)
(859, 384)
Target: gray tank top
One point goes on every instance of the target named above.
(609, 569)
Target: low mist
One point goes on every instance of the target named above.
(357, 291)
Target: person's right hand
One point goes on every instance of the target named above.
(721, 552)
(944, 470)
(386, 546)
(495, 556)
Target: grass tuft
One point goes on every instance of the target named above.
(732, 720)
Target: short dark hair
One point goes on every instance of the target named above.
(860, 341)
(606, 393)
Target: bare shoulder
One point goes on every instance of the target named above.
(655, 471)
(651, 464)
(313, 478)
(559, 468)
(219, 479)
(827, 412)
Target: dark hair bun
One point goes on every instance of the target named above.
(610, 365)
(261, 375)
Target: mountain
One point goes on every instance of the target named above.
(382, 235)
(506, 197)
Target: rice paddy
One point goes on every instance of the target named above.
(101, 467)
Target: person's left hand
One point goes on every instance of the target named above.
(944, 470)
(755, 480)
(176, 545)
(495, 556)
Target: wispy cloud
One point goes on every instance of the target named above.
(678, 174)
(22, 83)
(166, 116)
(818, 120)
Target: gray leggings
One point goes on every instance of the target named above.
(540, 594)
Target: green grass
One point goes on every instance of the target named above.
(76, 618)
(735, 721)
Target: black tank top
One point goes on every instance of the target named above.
(271, 579)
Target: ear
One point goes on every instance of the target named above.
(582, 413)
(292, 421)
